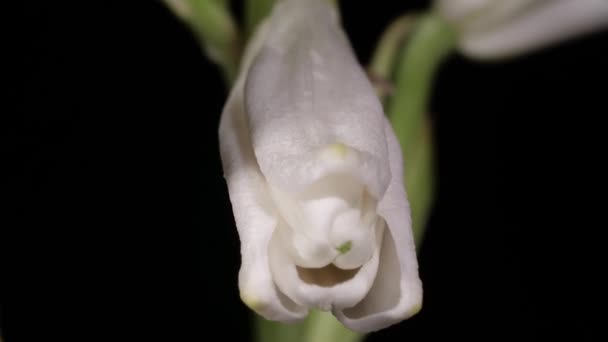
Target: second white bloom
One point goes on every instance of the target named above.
(490, 29)
(314, 173)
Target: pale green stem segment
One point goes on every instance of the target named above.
(430, 43)
(215, 30)
(255, 12)
(387, 51)
(324, 327)
(419, 165)
(420, 181)
(317, 327)
(269, 331)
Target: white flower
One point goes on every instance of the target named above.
(503, 28)
(314, 173)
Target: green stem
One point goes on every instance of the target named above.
(269, 331)
(218, 33)
(429, 45)
(431, 42)
(323, 326)
(385, 56)
(256, 11)
(215, 30)
(317, 327)
(419, 180)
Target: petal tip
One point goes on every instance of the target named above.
(253, 301)
(414, 308)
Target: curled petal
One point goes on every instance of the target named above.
(252, 210)
(397, 290)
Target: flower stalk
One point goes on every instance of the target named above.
(387, 53)
(255, 12)
(215, 30)
(430, 43)
(317, 327)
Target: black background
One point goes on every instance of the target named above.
(120, 226)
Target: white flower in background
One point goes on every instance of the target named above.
(504, 28)
(314, 173)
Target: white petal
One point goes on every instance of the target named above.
(322, 288)
(457, 11)
(310, 106)
(397, 290)
(493, 13)
(252, 212)
(549, 23)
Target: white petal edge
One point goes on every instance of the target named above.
(397, 291)
(251, 205)
(549, 23)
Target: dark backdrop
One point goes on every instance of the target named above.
(120, 224)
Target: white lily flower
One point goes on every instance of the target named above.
(314, 173)
(490, 29)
